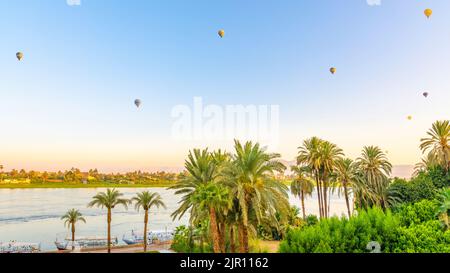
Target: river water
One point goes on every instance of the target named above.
(33, 215)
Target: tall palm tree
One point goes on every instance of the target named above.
(109, 200)
(202, 169)
(71, 218)
(438, 141)
(375, 170)
(320, 156)
(346, 174)
(256, 191)
(212, 197)
(301, 186)
(146, 200)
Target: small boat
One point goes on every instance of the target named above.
(17, 247)
(153, 237)
(85, 242)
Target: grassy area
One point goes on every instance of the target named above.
(161, 184)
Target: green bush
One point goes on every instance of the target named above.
(418, 213)
(343, 235)
(413, 229)
(439, 176)
(186, 240)
(418, 189)
(427, 237)
(311, 220)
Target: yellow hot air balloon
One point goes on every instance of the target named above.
(333, 70)
(410, 118)
(221, 33)
(19, 55)
(428, 12)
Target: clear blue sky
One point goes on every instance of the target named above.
(70, 101)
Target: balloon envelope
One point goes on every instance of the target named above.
(409, 117)
(221, 33)
(137, 103)
(425, 94)
(428, 12)
(333, 70)
(19, 55)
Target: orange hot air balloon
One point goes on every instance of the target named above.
(221, 33)
(428, 13)
(333, 70)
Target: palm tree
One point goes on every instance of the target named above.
(212, 197)
(72, 217)
(375, 170)
(202, 170)
(438, 141)
(320, 157)
(428, 162)
(257, 193)
(109, 200)
(346, 173)
(444, 208)
(302, 186)
(146, 200)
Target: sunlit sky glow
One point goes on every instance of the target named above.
(69, 103)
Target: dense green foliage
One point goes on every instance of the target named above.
(415, 190)
(414, 228)
(191, 240)
(343, 235)
(75, 176)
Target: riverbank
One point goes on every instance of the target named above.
(154, 248)
(84, 186)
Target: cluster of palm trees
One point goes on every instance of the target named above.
(236, 192)
(110, 200)
(321, 165)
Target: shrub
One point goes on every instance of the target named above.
(438, 176)
(427, 237)
(418, 213)
(311, 220)
(418, 189)
(343, 235)
(414, 229)
(186, 241)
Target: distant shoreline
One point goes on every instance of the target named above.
(84, 186)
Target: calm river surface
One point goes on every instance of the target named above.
(33, 215)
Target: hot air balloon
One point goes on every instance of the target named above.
(138, 103)
(428, 12)
(333, 70)
(221, 33)
(19, 55)
(425, 94)
(410, 118)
